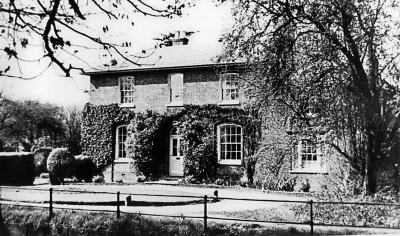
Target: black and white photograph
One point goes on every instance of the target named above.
(199, 117)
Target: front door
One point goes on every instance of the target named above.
(175, 156)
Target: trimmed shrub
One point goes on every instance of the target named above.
(61, 164)
(17, 168)
(85, 169)
(41, 155)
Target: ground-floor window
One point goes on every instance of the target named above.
(310, 155)
(230, 144)
(121, 134)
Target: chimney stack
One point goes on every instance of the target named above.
(180, 38)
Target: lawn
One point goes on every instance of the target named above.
(72, 222)
(284, 213)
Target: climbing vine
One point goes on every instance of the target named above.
(147, 143)
(198, 126)
(98, 127)
(148, 136)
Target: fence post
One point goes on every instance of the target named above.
(118, 211)
(51, 203)
(205, 213)
(311, 216)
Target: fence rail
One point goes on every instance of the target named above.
(205, 216)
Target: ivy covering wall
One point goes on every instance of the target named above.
(98, 131)
(147, 142)
(198, 126)
(148, 136)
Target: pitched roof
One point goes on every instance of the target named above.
(177, 56)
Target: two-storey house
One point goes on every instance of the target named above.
(167, 78)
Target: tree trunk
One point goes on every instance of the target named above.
(371, 165)
(371, 179)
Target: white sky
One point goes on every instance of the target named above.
(53, 87)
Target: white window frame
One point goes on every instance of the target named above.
(232, 141)
(176, 93)
(119, 142)
(309, 157)
(127, 95)
(229, 83)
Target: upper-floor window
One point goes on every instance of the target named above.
(127, 89)
(230, 144)
(176, 89)
(230, 88)
(121, 134)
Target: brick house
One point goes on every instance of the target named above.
(170, 77)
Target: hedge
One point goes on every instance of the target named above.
(84, 168)
(17, 168)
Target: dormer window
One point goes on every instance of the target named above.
(229, 89)
(176, 89)
(127, 92)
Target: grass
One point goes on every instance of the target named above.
(70, 222)
(281, 214)
(86, 223)
(285, 214)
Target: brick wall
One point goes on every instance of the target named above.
(152, 91)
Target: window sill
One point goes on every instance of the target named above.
(128, 105)
(228, 103)
(123, 160)
(308, 171)
(175, 104)
(230, 162)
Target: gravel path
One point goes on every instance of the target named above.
(37, 195)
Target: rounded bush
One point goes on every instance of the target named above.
(85, 169)
(60, 164)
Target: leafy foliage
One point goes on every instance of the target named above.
(147, 142)
(279, 183)
(198, 147)
(36, 125)
(26, 122)
(61, 164)
(41, 155)
(149, 132)
(198, 126)
(333, 64)
(84, 168)
(17, 168)
(98, 126)
(73, 123)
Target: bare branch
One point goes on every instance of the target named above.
(109, 13)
